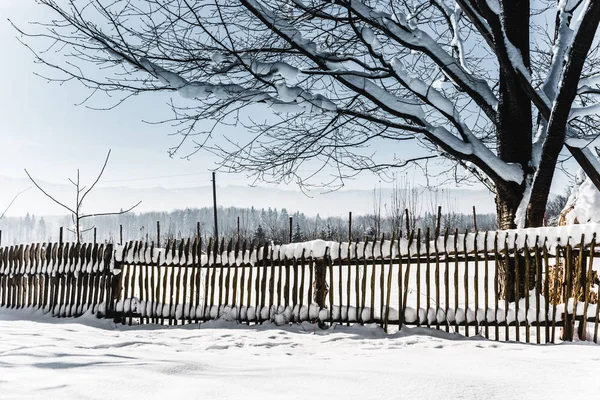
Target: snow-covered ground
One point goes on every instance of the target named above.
(88, 358)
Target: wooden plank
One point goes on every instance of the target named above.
(476, 282)
(486, 289)
(236, 254)
(250, 271)
(243, 279)
(506, 290)
(174, 283)
(279, 279)
(456, 286)
(268, 253)
(381, 280)
(227, 270)
(546, 291)
(311, 274)
(133, 283)
(125, 281)
(407, 276)
(555, 292)
(568, 290)
(295, 294)
(372, 286)
(250, 267)
(165, 286)
(588, 285)
(526, 286)
(438, 308)
(182, 260)
(63, 280)
(340, 283)
(446, 280)
(517, 293)
(538, 288)
(149, 300)
(157, 280)
(466, 285)
(213, 274)
(496, 288)
(286, 282)
(389, 285)
(143, 246)
(257, 281)
(419, 277)
(364, 282)
(302, 279)
(428, 277)
(356, 282)
(207, 298)
(348, 280)
(29, 266)
(579, 286)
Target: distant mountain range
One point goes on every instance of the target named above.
(338, 203)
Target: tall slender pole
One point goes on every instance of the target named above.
(291, 222)
(198, 229)
(60, 235)
(157, 233)
(474, 220)
(214, 184)
(438, 222)
(120, 235)
(349, 226)
(238, 227)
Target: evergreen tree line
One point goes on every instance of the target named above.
(264, 225)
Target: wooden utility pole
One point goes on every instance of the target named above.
(157, 233)
(349, 226)
(214, 185)
(438, 222)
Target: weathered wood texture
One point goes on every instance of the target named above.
(450, 283)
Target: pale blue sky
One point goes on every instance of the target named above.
(43, 130)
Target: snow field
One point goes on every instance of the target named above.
(87, 358)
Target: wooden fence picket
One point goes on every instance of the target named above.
(352, 282)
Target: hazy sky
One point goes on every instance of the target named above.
(42, 129)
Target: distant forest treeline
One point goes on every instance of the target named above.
(270, 224)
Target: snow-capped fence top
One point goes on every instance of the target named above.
(420, 243)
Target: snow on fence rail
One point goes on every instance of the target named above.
(453, 282)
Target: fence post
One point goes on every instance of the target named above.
(320, 284)
(60, 235)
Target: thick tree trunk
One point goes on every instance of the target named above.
(507, 202)
(514, 135)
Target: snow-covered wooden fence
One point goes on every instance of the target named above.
(62, 279)
(451, 282)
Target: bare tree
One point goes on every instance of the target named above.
(494, 87)
(12, 202)
(81, 192)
